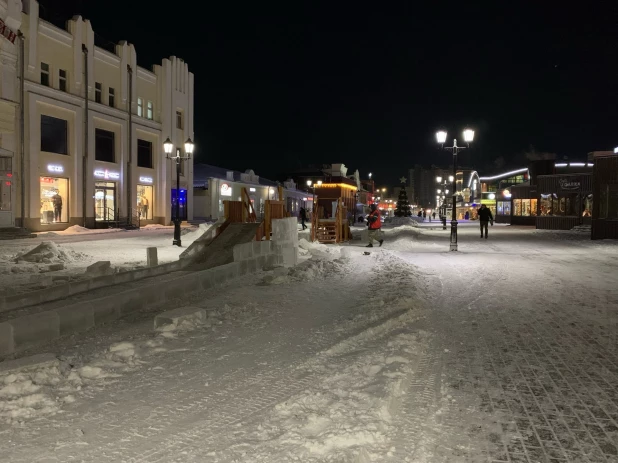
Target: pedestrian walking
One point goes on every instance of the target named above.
(374, 222)
(485, 216)
(424, 215)
(434, 215)
(303, 217)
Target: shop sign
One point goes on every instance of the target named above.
(55, 168)
(145, 179)
(7, 33)
(106, 174)
(47, 180)
(226, 190)
(567, 184)
(252, 190)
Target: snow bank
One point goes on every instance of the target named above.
(79, 230)
(399, 221)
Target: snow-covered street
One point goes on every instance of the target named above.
(504, 351)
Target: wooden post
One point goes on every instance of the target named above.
(267, 219)
(226, 209)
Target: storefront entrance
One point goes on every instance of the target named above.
(105, 201)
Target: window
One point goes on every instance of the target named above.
(149, 110)
(45, 74)
(62, 80)
(178, 119)
(144, 153)
(112, 98)
(54, 200)
(53, 135)
(98, 90)
(559, 206)
(144, 201)
(524, 207)
(140, 107)
(104, 145)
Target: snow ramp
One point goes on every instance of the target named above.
(220, 250)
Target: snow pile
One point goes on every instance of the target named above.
(28, 394)
(350, 411)
(318, 249)
(399, 221)
(318, 269)
(48, 252)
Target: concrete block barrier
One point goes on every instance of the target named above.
(24, 332)
(34, 329)
(77, 317)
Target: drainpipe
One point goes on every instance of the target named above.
(130, 137)
(86, 126)
(22, 142)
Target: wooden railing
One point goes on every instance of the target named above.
(248, 209)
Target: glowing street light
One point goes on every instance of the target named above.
(441, 136)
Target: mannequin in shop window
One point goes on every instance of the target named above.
(142, 206)
(57, 201)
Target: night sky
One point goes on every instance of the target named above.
(285, 85)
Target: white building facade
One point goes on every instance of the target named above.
(88, 161)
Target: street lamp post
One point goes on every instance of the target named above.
(468, 135)
(168, 147)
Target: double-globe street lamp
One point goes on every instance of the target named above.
(468, 135)
(168, 147)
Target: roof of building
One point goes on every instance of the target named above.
(203, 172)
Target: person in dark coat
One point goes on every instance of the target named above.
(303, 217)
(485, 216)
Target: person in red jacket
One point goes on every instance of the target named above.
(374, 222)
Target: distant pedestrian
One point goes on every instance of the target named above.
(374, 222)
(303, 217)
(434, 215)
(467, 216)
(485, 216)
(424, 215)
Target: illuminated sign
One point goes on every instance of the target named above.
(55, 168)
(226, 190)
(145, 179)
(106, 174)
(252, 190)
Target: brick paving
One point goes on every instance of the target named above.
(536, 349)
